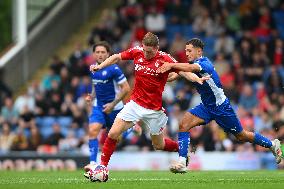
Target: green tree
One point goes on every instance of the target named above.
(5, 23)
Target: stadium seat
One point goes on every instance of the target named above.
(209, 46)
(281, 30)
(172, 30)
(64, 121)
(187, 31)
(278, 17)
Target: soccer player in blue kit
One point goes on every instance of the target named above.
(215, 106)
(109, 87)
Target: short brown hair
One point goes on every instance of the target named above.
(104, 44)
(151, 40)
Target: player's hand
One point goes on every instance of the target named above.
(89, 98)
(204, 78)
(94, 68)
(108, 108)
(165, 67)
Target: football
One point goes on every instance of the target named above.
(97, 173)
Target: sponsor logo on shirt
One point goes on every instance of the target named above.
(96, 81)
(146, 70)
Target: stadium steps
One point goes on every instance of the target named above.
(79, 36)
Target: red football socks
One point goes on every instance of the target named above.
(170, 145)
(107, 151)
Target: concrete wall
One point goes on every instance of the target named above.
(64, 19)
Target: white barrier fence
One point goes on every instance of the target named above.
(141, 161)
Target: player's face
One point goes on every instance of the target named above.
(192, 53)
(149, 52)
(100, 54)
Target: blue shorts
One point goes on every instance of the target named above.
(98, 116)
(223, 114)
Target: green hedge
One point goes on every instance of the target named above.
(5, 23)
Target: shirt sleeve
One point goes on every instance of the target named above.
(119, 77)
(170, 59)
(129, 54)
(205, 67)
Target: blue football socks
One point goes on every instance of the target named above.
(262, 141)
(183, 143)
(94, 148)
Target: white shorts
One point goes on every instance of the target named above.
(155, 120)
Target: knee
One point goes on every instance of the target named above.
(93, 132)
(113, 135)
(158, 146)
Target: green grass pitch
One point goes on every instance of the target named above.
(145, 180)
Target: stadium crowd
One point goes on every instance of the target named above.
(243, 37)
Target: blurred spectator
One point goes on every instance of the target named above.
(35, 139)
(203, 24)
(224, 44)
(69, 143)
(155, 22)
(56, 65)
(177, 48)
(20, 141)
(6, 138)
(54, 138)
(178, 12)
(8, 112)
(248, 98)
(48, 79)
(24, 101)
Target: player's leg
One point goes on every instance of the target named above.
(118, 127)
(165, 144)
(96, 121)
(156, 121)
(256, 138)
(94, 129)
(124, 120)
(194, 117)
(230, 123)
(110, 120)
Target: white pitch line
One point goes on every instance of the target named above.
(81, 180)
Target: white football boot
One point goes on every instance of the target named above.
(276, 150)
(180, 166)
(87, 168)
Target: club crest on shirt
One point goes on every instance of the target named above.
(104, 73)
(157, 64)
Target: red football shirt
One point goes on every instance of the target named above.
(148, 84)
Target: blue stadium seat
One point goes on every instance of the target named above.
(209, 46)
(278, 17)
(187, 32)
(46, 131)
(172, 30)
(64, 121)
(281, 30)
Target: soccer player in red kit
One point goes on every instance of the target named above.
(146, 99)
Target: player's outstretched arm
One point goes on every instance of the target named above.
(186, 67)
(193, 77)
(109, 61)
(124, 90)
(172, 76)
